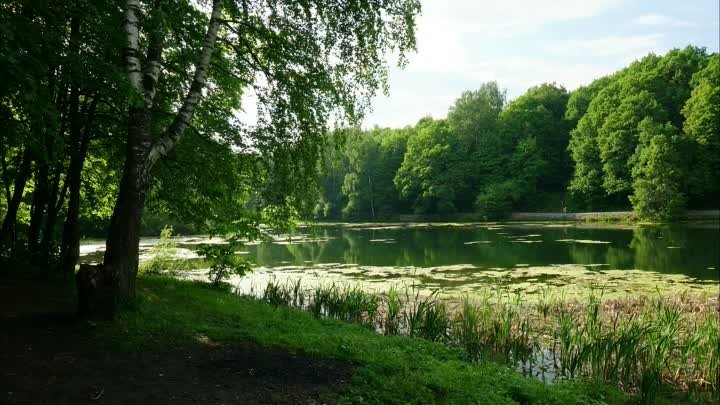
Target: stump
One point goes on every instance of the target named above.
(95, 292)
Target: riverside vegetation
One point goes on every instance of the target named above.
(388, 369)
(652, 347)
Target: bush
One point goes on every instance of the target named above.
(224, 262)
(162, 255)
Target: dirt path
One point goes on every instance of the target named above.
(49, 357)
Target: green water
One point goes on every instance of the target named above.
(469, 258)
(525, 257)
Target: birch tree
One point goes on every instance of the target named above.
(306, 62)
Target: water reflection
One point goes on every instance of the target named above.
(470, 257)
(691, 250)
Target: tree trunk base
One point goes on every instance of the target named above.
(96, 292)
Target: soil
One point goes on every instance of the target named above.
(52, 358)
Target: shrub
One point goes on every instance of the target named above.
(162, 255)
(223, 262)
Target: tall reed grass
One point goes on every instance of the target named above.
(644, 345)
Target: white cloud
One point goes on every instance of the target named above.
(439, 49)
(660, 19)
(623, 46)
(406, 108)
(445, 30)
(524, 72)
(523, 15)
(435, 92)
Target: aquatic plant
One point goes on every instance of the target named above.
(425, 315)
(298, 295)
(544, 303)
(570, 343)
(436, 321)
(355, 304)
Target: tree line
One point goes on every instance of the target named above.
(645, 138)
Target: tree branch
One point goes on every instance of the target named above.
(255, 62)
(183, 117)
(153, 61)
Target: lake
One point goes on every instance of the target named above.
(465, 258)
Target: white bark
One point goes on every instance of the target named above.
(153, 64)
(132, 62)
(151, 73)
(184, 115)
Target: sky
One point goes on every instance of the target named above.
(523, 43)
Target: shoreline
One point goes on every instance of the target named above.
(588, 216)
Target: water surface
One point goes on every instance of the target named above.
(464, 258)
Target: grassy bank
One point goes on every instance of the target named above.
(390, 369)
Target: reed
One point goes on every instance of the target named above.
(277, 294)
(393, 308)
(298, 295)
(643, 345)
(543, 305)
(436, 322)
(468, 330)
(425, 316)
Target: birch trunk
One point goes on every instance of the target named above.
(121, 255)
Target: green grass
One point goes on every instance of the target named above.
(391, 369)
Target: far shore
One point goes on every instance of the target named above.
(583, 216)
(609, 216)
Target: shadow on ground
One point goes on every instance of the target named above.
(49, 357)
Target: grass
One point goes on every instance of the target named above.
(652, 347)
(391, 369)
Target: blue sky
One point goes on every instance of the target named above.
(522, 43)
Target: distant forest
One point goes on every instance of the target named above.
(645, 138)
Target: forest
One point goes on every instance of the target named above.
(646, 138)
